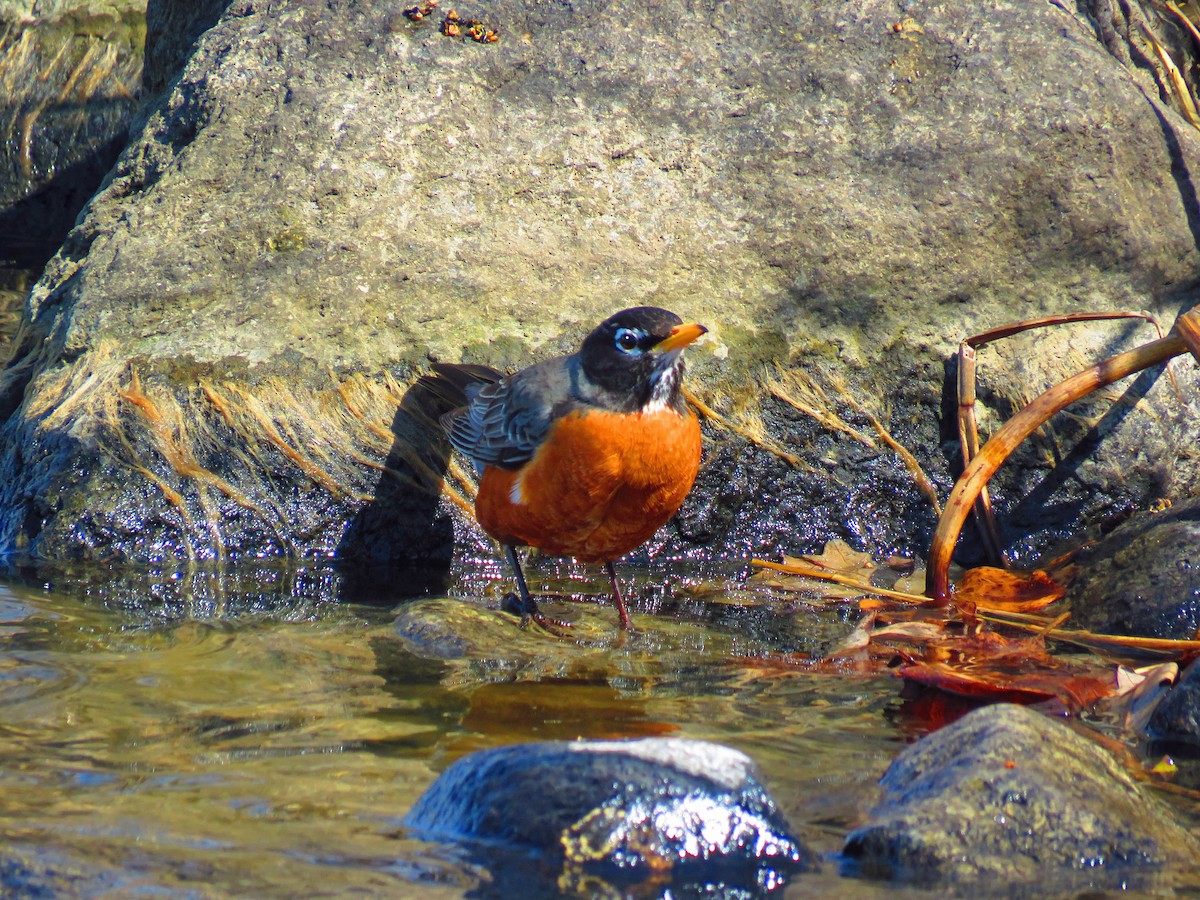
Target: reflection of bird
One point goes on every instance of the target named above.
(586, 455)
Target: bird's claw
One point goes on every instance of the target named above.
(529, 612)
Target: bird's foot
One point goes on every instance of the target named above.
(529, 612)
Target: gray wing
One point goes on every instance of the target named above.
(504, 422)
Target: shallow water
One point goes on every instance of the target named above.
(250, 740)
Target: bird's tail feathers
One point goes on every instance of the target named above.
(452, 385)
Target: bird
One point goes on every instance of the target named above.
(585, 455)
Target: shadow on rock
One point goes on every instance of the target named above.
(66, 113)
(36, 225)
(401, 543)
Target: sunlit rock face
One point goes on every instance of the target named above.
(619, 811)
(328, 196)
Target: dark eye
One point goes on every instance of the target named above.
(627, 339)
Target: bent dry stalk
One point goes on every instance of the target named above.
(968, 430)
(1183, 338)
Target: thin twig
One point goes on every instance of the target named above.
(846, 580)
(758, 440)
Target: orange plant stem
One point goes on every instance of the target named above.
(1006, 439)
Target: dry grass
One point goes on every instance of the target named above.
(819, 399)
(747, 422)
(803, 392)
(799, 390)
(207, 445)
(45, 66)
(204, 444)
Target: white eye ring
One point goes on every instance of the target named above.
(627, 339)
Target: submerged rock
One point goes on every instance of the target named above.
(1144, 577)
(1007, 801)
(26, 873)
(454, 629)
(486, 645)
(216, 364)
(1177, 716)
(687, 812)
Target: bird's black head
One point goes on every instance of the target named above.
(635, 356)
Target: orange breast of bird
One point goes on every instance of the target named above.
(600, 485)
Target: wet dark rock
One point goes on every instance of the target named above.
(619, 812)
(1010, 802)
(216, 364)
(1177, 716)
(1144, 577)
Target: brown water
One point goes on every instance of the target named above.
(273, 750)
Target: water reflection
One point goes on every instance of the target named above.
(247, 736)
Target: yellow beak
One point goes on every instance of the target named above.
(681, 336)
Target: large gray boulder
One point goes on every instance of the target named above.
(331, 195)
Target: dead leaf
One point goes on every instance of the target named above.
(858, 638)
(839, 556)
(1165, 767)
(839, 559)
(1014, 677)
(913, 631)
(912, 583)
(1139, 680)
(819, 574)
(1000, 590)
(1139, 691)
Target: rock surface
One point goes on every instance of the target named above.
(330, 195)
(25, 10)
(1177, 716)
(1143, 578)
(1010, 802)
(658, 809)
(69, 77)
(171, 30)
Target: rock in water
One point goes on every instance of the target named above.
(623, 811)
(1177, 716)
(1011, 801)
(1143, 578)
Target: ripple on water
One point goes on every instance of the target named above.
(271, 745)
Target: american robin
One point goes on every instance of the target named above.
(585, 455)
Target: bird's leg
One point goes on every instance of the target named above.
(528, 606)
(525, 605)
(617, 598)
